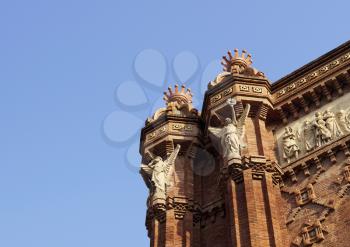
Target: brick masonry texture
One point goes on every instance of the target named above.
(259, 199)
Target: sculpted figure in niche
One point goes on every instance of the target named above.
(157, 175)
(309, 135)
(290, 146)
(322, 133)
(343, 120)
(331, 124)
(229, 138)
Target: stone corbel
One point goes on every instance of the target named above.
(180, 205)
(292, 175)
(305, 168)
(332, 156)
(303, 104)
(345, 149)
(326, 92)
(318, 164)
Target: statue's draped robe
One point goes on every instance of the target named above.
(323, 134)
(332, 125)
(344, 123)
(289, 145)
(229, 141)
(159, 177)
(309, 136)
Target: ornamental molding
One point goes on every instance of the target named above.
(309, 78)
(180, 206)
(172, 128)
(239, 88)
(258, 165)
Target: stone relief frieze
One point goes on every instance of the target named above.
(313, 131)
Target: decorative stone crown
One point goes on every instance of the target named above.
(182, 96)
(178, 102)
(236, 63)
(240, 64)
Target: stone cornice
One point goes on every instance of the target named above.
(243, 88)
(312, 72)
(329, 56)
(231, 81)
(311, 77)
(169, 124)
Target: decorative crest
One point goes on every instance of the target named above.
(239, 64)
(178, 102)
(182, 96)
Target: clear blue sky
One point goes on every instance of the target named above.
(67, 175)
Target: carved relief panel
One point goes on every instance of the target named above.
(314, 130)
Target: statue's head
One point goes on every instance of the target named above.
(228, 121)
(317, 114)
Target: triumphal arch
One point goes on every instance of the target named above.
(261, 164)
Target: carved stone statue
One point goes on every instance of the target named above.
(309, 135)
(343, 120)
(290, 146)
(331, 124)
(322, 133)
(157, 174)
(229, 138)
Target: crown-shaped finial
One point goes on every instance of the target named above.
(181, 96)
(236, 63)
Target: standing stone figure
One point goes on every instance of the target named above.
(290, 146)
(309, 135)
(157, 174)
(229, 138)
(343, 121)
(331, 124)
(323, 134)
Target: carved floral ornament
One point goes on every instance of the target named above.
(313, 75)
(313, 132)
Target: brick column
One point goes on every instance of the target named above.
(253, 210)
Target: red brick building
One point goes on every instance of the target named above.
(261, 165)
